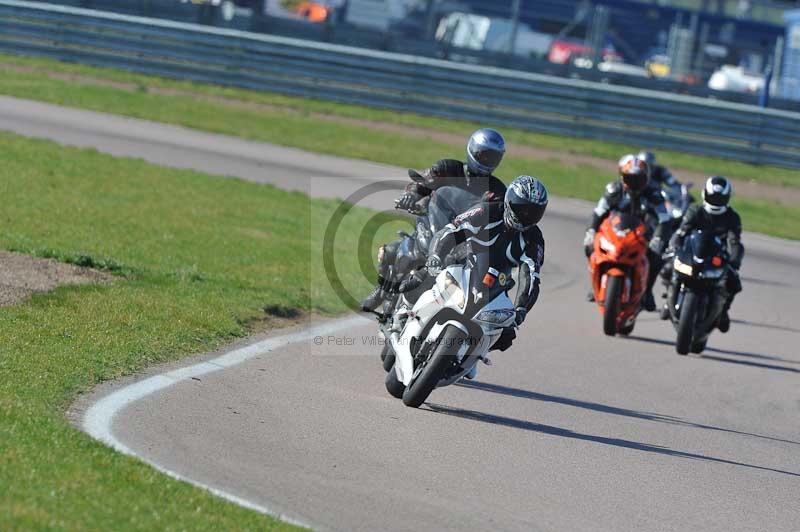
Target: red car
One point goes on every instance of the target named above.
(563, 51)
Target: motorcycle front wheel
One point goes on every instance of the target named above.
(394, 386)
(686, 323)
(435, 369)
(612, 304)
(387, 357)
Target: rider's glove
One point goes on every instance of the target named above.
(520, 317)
(413, 281)
(407, 201)
(657, 246)
(433, 265)
(588, 241)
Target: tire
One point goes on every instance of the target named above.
(612, 304)
(387, 356)
(625, 331)
(698, 347)
(384, 351)
(394, 386)
(441, 359)
(686, 323)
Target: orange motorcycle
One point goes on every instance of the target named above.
(618, 268)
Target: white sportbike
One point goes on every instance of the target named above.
(449, 329)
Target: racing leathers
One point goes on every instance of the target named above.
(649, 206)
(728, 227)
(484, 231)
(446, 189)
(450, 173)
(664, 178)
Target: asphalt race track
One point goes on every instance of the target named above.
(569, 430)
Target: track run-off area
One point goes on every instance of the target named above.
(568, 430)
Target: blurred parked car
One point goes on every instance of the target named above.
(736, 79)
(476, 32)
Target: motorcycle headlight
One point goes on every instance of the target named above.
(685, 269)
(452, 292)
(606, 245)
(495, 317)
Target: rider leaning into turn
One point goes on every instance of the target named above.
(716, 216)
(636, 194)
(507, 230)
(485, 151)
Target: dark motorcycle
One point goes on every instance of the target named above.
(696, 295)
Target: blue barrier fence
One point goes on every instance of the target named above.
(402, 82)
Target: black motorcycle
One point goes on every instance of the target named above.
(696, 295)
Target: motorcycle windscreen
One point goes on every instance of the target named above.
(624, 222)
(703, 245)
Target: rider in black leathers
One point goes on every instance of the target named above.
(635, 193)
(448, 188)
(660, 175)
(508, 230)
(717, 217)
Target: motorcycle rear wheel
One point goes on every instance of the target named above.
(612, 304)
(440, 361)
(686, 323)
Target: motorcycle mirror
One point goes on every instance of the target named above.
(416, 176)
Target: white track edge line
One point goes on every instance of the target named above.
(98, 419)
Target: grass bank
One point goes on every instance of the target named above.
(68, 84)
(197, 258)
(296, 122)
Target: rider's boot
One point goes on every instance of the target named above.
(375, 298)
(472, 373)
(724, 324)
(590, 296)
(648, 301)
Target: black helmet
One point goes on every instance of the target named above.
(634, 173)
(525, 203)
(717, 195)
(649, 158)
(485, 150)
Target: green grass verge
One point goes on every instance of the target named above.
(196, 257)
(288, 123)
(34, 85)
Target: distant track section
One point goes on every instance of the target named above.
(402, 82)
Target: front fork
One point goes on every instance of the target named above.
(675, 294)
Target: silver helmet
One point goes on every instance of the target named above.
(485, 151)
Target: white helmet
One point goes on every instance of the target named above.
(717, 195)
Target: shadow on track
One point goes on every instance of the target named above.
(732, 353)
(765, 282)
(783, 328)
(522, 424)
(606, 409)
